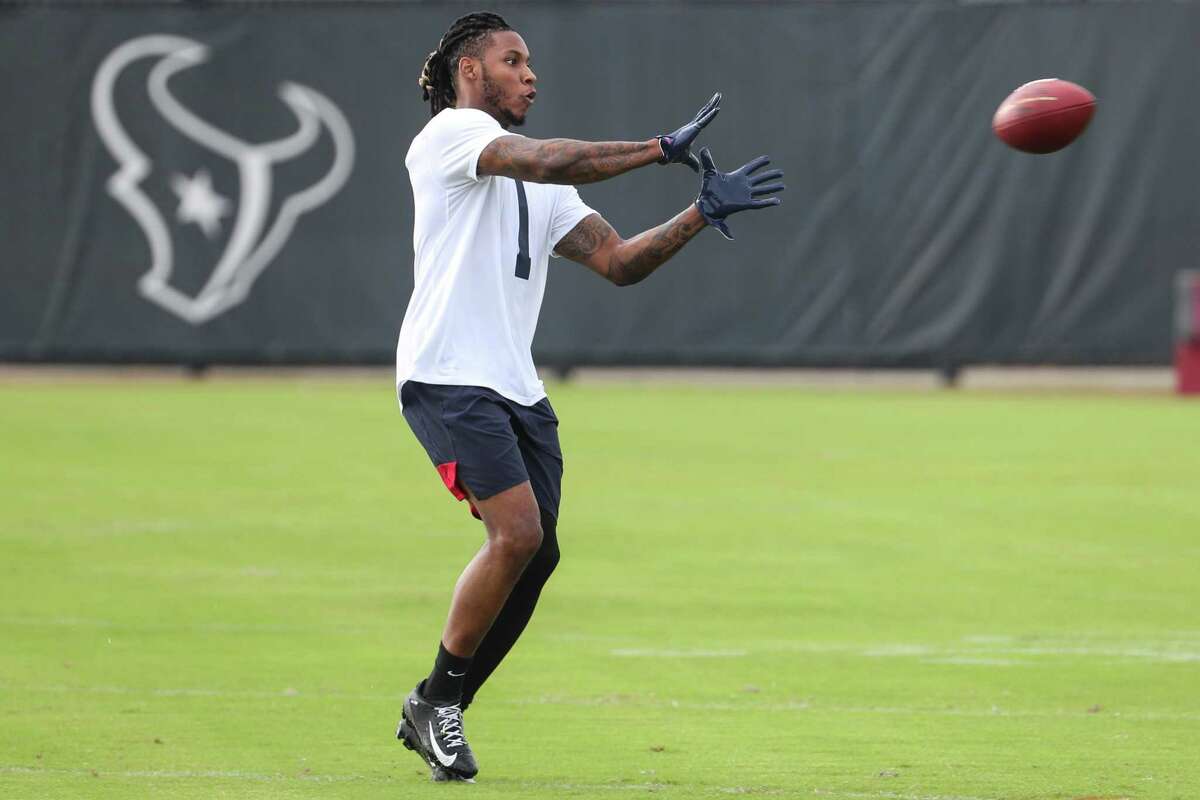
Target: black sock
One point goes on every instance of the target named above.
(444, 685)
(511, 620)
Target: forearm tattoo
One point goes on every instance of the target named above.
(565, 161)
(594, 242)
(641, 255)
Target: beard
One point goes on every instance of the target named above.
(494, 97)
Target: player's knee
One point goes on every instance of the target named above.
(519, 541)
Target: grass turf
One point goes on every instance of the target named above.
(223, 590)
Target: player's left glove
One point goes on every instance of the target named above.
(725, 193)
(677, 146)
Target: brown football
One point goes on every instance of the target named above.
(1043, 116)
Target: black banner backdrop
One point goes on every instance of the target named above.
(224, 182)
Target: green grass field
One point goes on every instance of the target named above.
(224, 589)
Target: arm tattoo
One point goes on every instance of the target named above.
(565, 161)
(585, 239)
(641, 255)
(594, 242)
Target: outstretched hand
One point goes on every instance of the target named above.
(725, 193)
(677, 146)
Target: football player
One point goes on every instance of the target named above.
(491, 207)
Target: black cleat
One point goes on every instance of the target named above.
(436, 734)
(437, 773)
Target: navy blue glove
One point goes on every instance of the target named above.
(677, 146)
(725, 193)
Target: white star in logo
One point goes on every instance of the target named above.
(198, 202)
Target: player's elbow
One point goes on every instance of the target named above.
(618, 273)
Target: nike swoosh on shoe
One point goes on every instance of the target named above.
(443, 759)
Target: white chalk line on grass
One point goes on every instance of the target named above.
(819, 708)
(794, 706)
(1139, 653)
(256, 777)
(997, 656)
(992, 650)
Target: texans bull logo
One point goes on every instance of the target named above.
(254, 239)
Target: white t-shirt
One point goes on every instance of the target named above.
(474, 308)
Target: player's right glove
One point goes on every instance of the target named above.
(725, 193)
(677, 145)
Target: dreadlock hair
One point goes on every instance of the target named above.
(464, 38)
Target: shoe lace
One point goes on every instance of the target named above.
(450, 721)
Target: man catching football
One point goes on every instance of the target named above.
(491, 207)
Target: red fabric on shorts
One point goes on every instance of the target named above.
(449, 473)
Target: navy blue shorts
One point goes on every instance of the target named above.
(481, 440)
